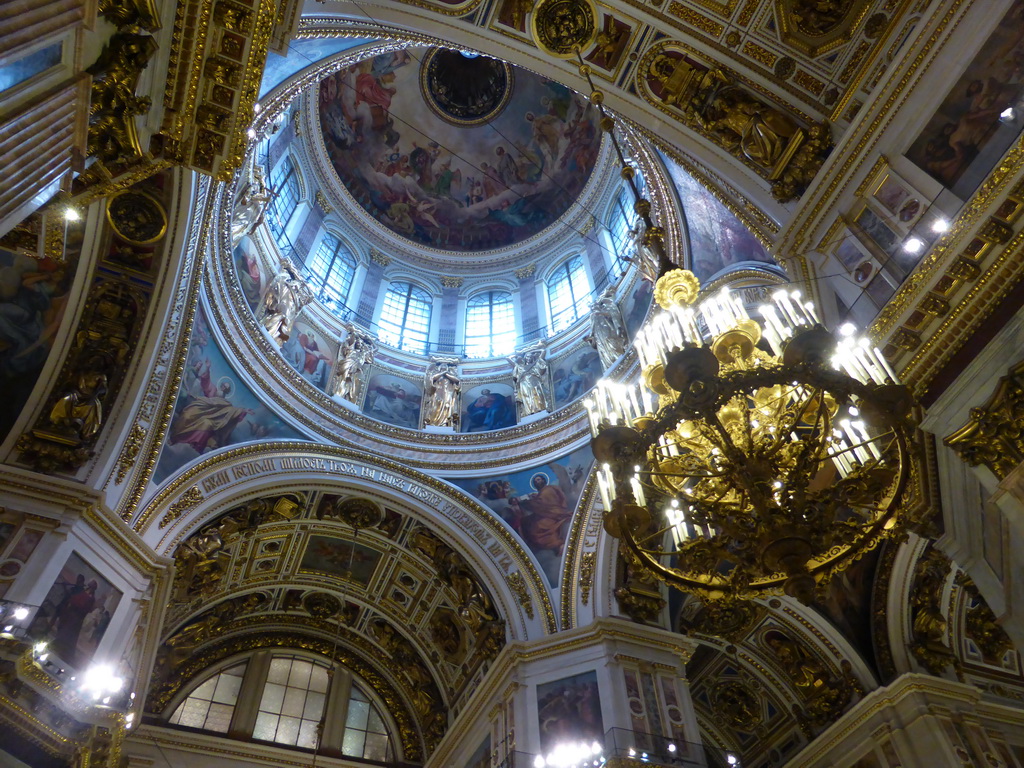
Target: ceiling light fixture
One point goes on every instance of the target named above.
(757, 456)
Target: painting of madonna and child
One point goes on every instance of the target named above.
(537, 503)
(517, 169)
(76, 612)
(214, 408)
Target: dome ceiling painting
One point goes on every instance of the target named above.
(454, 151)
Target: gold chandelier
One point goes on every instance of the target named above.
(754, 457)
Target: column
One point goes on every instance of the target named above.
(336, 712)
(371, 287)
(528, 304)
(919, 721)
(449, 320)
(625, 682)
(248, 704)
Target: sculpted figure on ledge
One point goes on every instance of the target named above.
(286, 295)
(442, 388)
(530, 374)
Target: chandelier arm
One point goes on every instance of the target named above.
(858, 445)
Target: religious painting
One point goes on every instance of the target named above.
(637, 305)
(847, 603)
(575, 375)
(486, 407)
(980, 117)
(339, 557)
(610, 42)
(537, 503)
(250, 274)
(718, 240)
(849, 252)
(33, 295)
(481, 758)
(877, 231)
(569, 711)
(311, 354)
(76, 612)
(214, 409)
(526, 146)
(394, 400)
(879, 290)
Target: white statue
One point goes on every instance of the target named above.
(356, 353)
(249, 209)
(442, 391)
(531, 377)
(286, 295)
(607, 331)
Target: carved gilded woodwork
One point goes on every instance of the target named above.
(815, 27)
(994, 435)
(980, 624)
(929, 622)
(707, 99)
(219, 49)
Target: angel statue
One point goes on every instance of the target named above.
(286, 295)
(607, 331)
(531, 378)
(356, 353)
(442, 391)
(248, 212)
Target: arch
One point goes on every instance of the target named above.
(207, 489)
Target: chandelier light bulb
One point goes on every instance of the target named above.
(913, 245)
(940, 225)
(20, 613)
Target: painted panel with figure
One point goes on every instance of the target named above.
(971, 129)
(537, 503)
(488, 406)
(311, 354)
(214, 408)
(341, 558)
(250, 274)
(637, 305)
(575, 375)
(76, 612)
(33, 295)
(394, 400)
(569, 710)
(717, 238)
(521, 162)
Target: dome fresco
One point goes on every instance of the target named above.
(453, 152)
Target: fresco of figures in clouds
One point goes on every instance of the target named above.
(515, 173)
(214, 409)
(537, 503)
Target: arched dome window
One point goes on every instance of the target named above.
(366, 735)
(622, 220)
(289, 697)
(405, 318)
(284, 185)
(331, 270)
(292, 702)
(212, 703)
(490, 324)
(568, 293)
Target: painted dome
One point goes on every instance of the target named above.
(455, 151)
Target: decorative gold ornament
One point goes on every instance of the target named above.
(677, 288)
(562, 28)
(136, 217)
